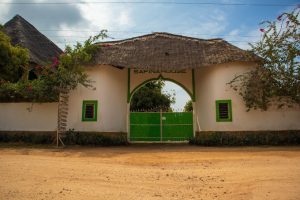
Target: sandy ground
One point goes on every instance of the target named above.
(150, 172)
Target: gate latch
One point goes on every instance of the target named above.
(163, 118)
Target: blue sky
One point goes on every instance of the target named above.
(67, 23)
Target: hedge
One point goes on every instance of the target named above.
(246, 138)
(70, 138)
(94, 138)
(27, 137)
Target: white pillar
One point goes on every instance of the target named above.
(128, 121)
(194, 119)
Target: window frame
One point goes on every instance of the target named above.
(84, 103)
(228, 102)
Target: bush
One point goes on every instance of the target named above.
(27, 91)
(70, 138)
(97, 139)
(64, 73)
(28, 138)
(244, 138)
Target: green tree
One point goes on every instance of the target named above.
(188, 107)
(277, 79)
(13, 60)
(67, 71)
(151, 97)
(63, 75)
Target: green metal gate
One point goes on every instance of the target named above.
(161, 126)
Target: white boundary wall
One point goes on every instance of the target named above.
(211, 86)
(111, 94)
(28, 117)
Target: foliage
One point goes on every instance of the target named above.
(63, 74)
(97, 139)
(188, 107)
(150, 96)
(13, 60)
(70, 71)
(245, 138)
(279, 76)
(29, 138)
(71, 138)
(27, 91)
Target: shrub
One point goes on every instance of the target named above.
(98, 139)
(70, 138)
(242, 138)
(28, 138)
(63, 74)
(27, 91)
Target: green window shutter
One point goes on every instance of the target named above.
(223, 111)
(89, 110)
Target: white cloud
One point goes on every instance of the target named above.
(241, 37)
(125, 19)
(106, 17)
(4, 10)
(206, 25)
(96, 18)
(215, 22)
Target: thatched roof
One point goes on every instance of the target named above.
(22, 33)
(165, 51)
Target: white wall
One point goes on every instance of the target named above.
(211, 86)
(28, 117)
(111, 93)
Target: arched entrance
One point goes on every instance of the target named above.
(160, 125)
(164, 79)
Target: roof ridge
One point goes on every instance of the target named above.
(155, 34)
(184, 36)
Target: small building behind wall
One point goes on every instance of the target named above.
(27, 116)
(41, 49)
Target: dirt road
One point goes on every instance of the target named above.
(150, 172)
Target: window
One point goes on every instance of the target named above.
(89, 110)
(224, 111)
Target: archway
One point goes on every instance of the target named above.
(159, 125)
(164, 79)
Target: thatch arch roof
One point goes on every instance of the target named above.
(165, 51)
